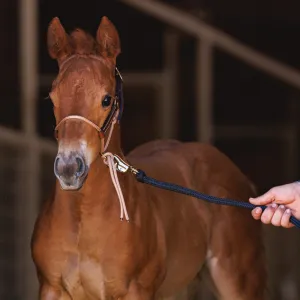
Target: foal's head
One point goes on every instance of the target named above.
(83, 95)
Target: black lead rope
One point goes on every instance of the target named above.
(142, 177)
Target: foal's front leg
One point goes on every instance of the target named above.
(49, 293)
(136, 292)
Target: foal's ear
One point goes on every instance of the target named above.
(59, 46)
(108, 40)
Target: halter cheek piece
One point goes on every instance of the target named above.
(117, 106)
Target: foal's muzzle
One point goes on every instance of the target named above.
(71, 170)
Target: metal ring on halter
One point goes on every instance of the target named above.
(119, 74)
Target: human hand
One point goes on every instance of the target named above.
(282, 201)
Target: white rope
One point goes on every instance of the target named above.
(109, 160)
(110, 131)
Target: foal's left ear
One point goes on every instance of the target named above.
(108, 40)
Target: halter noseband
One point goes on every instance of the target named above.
(117, 107)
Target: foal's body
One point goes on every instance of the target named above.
(80, 247)
(85, 251)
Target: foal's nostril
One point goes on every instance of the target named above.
(80, 166)
(56, 166)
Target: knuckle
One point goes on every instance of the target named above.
(273, 206)
(256, 211)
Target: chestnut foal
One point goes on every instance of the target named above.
(80, 247)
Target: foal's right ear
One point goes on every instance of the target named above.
(58, 43)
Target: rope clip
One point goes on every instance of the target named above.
(120, 164)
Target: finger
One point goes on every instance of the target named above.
(267, 215)
(256, 213)
(285, 220)
(278, 214)
(264, 199)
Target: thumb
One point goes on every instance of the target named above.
(264, 199)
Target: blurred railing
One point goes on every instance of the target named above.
(209, 37)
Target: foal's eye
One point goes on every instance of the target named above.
(106, 101)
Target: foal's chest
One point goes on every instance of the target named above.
(85, 278)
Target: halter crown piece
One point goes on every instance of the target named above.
(114, 117)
